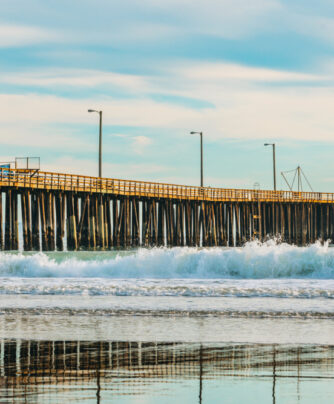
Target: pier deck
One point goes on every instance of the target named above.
(49, 181)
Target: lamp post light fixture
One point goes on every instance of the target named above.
(274, 162)
(201, 136)
(100, 140)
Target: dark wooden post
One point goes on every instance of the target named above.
(8, 220)
(135, 223)
(120, 230)
(173, 223)
(1, 223)
(24, 221)
(127, 223)
(196, 227)
(161, 223)
(15, 222)
(203, 224)
(43, 220)
(168, 232)
(303, 224)
(230, 225)
(154, 224)
(92, 232)
(29, 223)
(95, 202)
(35, 228)
(50, 220)
(263, 221)
(115, 222)
(289, 222)
(178, 224)
(237, 223)
(59, 218)
(247, 221)
(72, 240)
(100, 214)
(109, 238)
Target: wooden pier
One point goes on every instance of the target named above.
(59, 211)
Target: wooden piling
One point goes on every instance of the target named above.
(72, 240)
(43, 221)
(49, 214)
(178, 224)
(120, 229)
(35, 222)
(115, 221)
(109, 236)
(161, 223)
(15, 222)
(230, 224)
(8, 219)
(101, 229)
(136, 223)
(59, 218)
(1, 223)
(127, 223)
(29, 219)
(24, 221)
(91, 225)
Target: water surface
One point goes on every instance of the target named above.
(146, 372)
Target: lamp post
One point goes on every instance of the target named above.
(100, 140)
(274, 162)
(201, 136)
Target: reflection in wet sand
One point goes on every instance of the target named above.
(55, 371)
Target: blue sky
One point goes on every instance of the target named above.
(244, 73)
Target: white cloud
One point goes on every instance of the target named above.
(182, 73)
(314, 22)
(139, 143)
(291, 113)
(82, 78)
(42, 135)
(147, 21)
(222, 18)
(220, 71)
(22, 35)
(133, 21)
(127, 170)
(241, 107)
(35, 108)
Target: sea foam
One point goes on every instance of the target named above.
(253, 261)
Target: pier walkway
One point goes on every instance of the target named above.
(49, 181)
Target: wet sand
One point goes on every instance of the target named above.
(51, 371)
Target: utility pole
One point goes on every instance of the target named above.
(201, 145)
(274, 162)
(100, 140)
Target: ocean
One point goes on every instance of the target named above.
(255, 300)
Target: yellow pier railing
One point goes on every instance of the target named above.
(32, 179)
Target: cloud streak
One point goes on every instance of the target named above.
(23, 35)
(241, 103)
(291, 113)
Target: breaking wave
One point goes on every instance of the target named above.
(253, 261)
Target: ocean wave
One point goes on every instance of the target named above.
(253, 261)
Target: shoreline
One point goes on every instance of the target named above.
(181, 329)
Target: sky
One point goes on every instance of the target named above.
(245, 73)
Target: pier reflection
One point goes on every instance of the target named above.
(99, 371)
